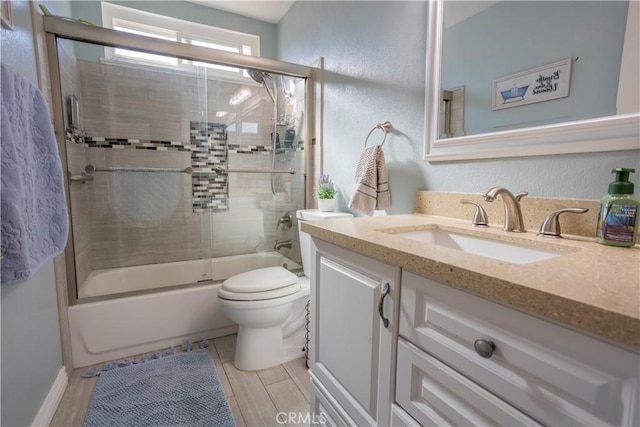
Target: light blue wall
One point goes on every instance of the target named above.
(375, 60)
(374, 71)
(91, 10)
(31, 350)
(529, 34)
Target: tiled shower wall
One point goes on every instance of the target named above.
(208, 151)
(126, 112)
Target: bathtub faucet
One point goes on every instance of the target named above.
(282, 244)
(284, 220)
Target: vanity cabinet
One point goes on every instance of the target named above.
(466, 360)
(354, 302)
(448, 357)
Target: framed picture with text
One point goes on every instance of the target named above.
(534, 85)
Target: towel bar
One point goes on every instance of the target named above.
(90, 169)
(83, 177)
(386, 126)
(218, 169)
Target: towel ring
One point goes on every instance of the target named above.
(385, 128)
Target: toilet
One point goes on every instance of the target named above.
(269, 306)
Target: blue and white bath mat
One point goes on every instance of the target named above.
(177, 390)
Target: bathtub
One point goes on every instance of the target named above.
(153, 276)
(117, 328)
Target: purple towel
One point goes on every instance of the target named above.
(34, 217)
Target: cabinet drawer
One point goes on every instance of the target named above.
(400, 418)
(556, 375)
(325, 411)
(436, 395)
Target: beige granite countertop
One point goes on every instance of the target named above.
(591, 287)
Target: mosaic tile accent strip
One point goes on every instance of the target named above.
(138, 144)
(299, 146)
(249, 149)
(74, 136)
(209, 150)
(263, 149)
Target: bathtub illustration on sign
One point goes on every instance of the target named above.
(538, 84)
(514, 94)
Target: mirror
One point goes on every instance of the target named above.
(554, 93)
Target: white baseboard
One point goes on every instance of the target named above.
(50, 404)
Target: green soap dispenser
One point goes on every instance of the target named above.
(618, 218)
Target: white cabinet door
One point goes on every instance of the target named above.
(351, 350)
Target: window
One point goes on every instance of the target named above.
(143, 30)
(249, 127)
(162, 27)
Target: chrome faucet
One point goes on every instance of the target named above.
(512, 213)
(284, 220)
(282, 244)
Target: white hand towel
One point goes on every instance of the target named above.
(372, 187)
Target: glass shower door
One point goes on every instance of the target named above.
(131, 149)
(264, 140)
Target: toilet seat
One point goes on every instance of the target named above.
(260, 284)
(256, 296)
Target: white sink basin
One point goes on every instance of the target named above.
(496, 249)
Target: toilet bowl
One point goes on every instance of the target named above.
(261, 302)
(269, 306)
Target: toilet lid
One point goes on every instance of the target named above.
(260, 280)
(257, 296)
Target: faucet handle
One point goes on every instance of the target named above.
(519, 196)
(480, 216)
(551, 225)
(285, 220)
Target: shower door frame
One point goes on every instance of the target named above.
(70, 29)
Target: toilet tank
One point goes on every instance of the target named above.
(305, 239)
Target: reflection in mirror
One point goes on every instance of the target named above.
(524, 35)
(517, 78)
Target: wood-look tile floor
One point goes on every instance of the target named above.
(255, 398)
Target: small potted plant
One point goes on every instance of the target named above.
(326, 194)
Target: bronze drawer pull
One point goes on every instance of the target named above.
(385, 292)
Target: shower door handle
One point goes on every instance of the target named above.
(385, 292)
(83, 177)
